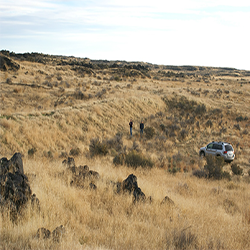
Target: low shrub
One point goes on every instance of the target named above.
(149, 132)
(119, 159)
(226, 175)
(48, 154)
(237, 170)
(209, 123)
(74, 151)
(183, 134)
(239, 118)
(200, 173)
(8, 80)
(163, 127)
(184, 239)
(31, 152)
(134, 159)
(214, 167)
(116, 143)
(174, 170)
(200, 109)
(96, 147)
(181, 103)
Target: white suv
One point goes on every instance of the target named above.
(223, 149)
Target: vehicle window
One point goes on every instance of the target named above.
(210, 145)
(217, 146)
(228, 148)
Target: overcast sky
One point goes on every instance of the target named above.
(177, 32)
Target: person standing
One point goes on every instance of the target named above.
(131, 126)
(141, 128)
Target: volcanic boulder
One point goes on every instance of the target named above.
(15, 189)
(81, 175)
(130, 185)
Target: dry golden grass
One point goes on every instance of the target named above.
(101, 219)
(42, 110)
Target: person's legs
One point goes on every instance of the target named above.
(141, 132)
(131, 131)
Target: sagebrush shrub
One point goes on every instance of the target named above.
(183, 134)
(134, 159)
(184, 239)
(181, 103)
(9, 80)
(214, 167)
(119, 159)
(116, 142)
(163, 127)
(149, 132)
(200, 109)
(97, 148)
(200, 173)
(209, 123)
(237, 170)
(75, 151)
(31, 152)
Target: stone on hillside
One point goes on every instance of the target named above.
(82, 176)
(56, 235)
(167, 201)
(70, 162)
(130, 183)
(13, 165)
(15, 189)
(138, 195)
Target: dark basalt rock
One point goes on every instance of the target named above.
(15, 189)
(44, 233)
(167, 201)
(8, 64)
(82, 176)
(130, 185)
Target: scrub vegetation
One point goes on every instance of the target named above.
(55, 107)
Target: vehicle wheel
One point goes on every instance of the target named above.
(202, 154)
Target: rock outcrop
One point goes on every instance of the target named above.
(82, 176)
(8, 64)
(130, 186)
(56, 235)
(15, 189)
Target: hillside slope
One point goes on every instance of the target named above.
(55, 107)
(54, 103)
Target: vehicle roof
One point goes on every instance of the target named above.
(220, 142)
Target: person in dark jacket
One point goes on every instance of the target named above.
(131, 126)
(141, 128)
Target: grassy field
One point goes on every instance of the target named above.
(54, 107)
